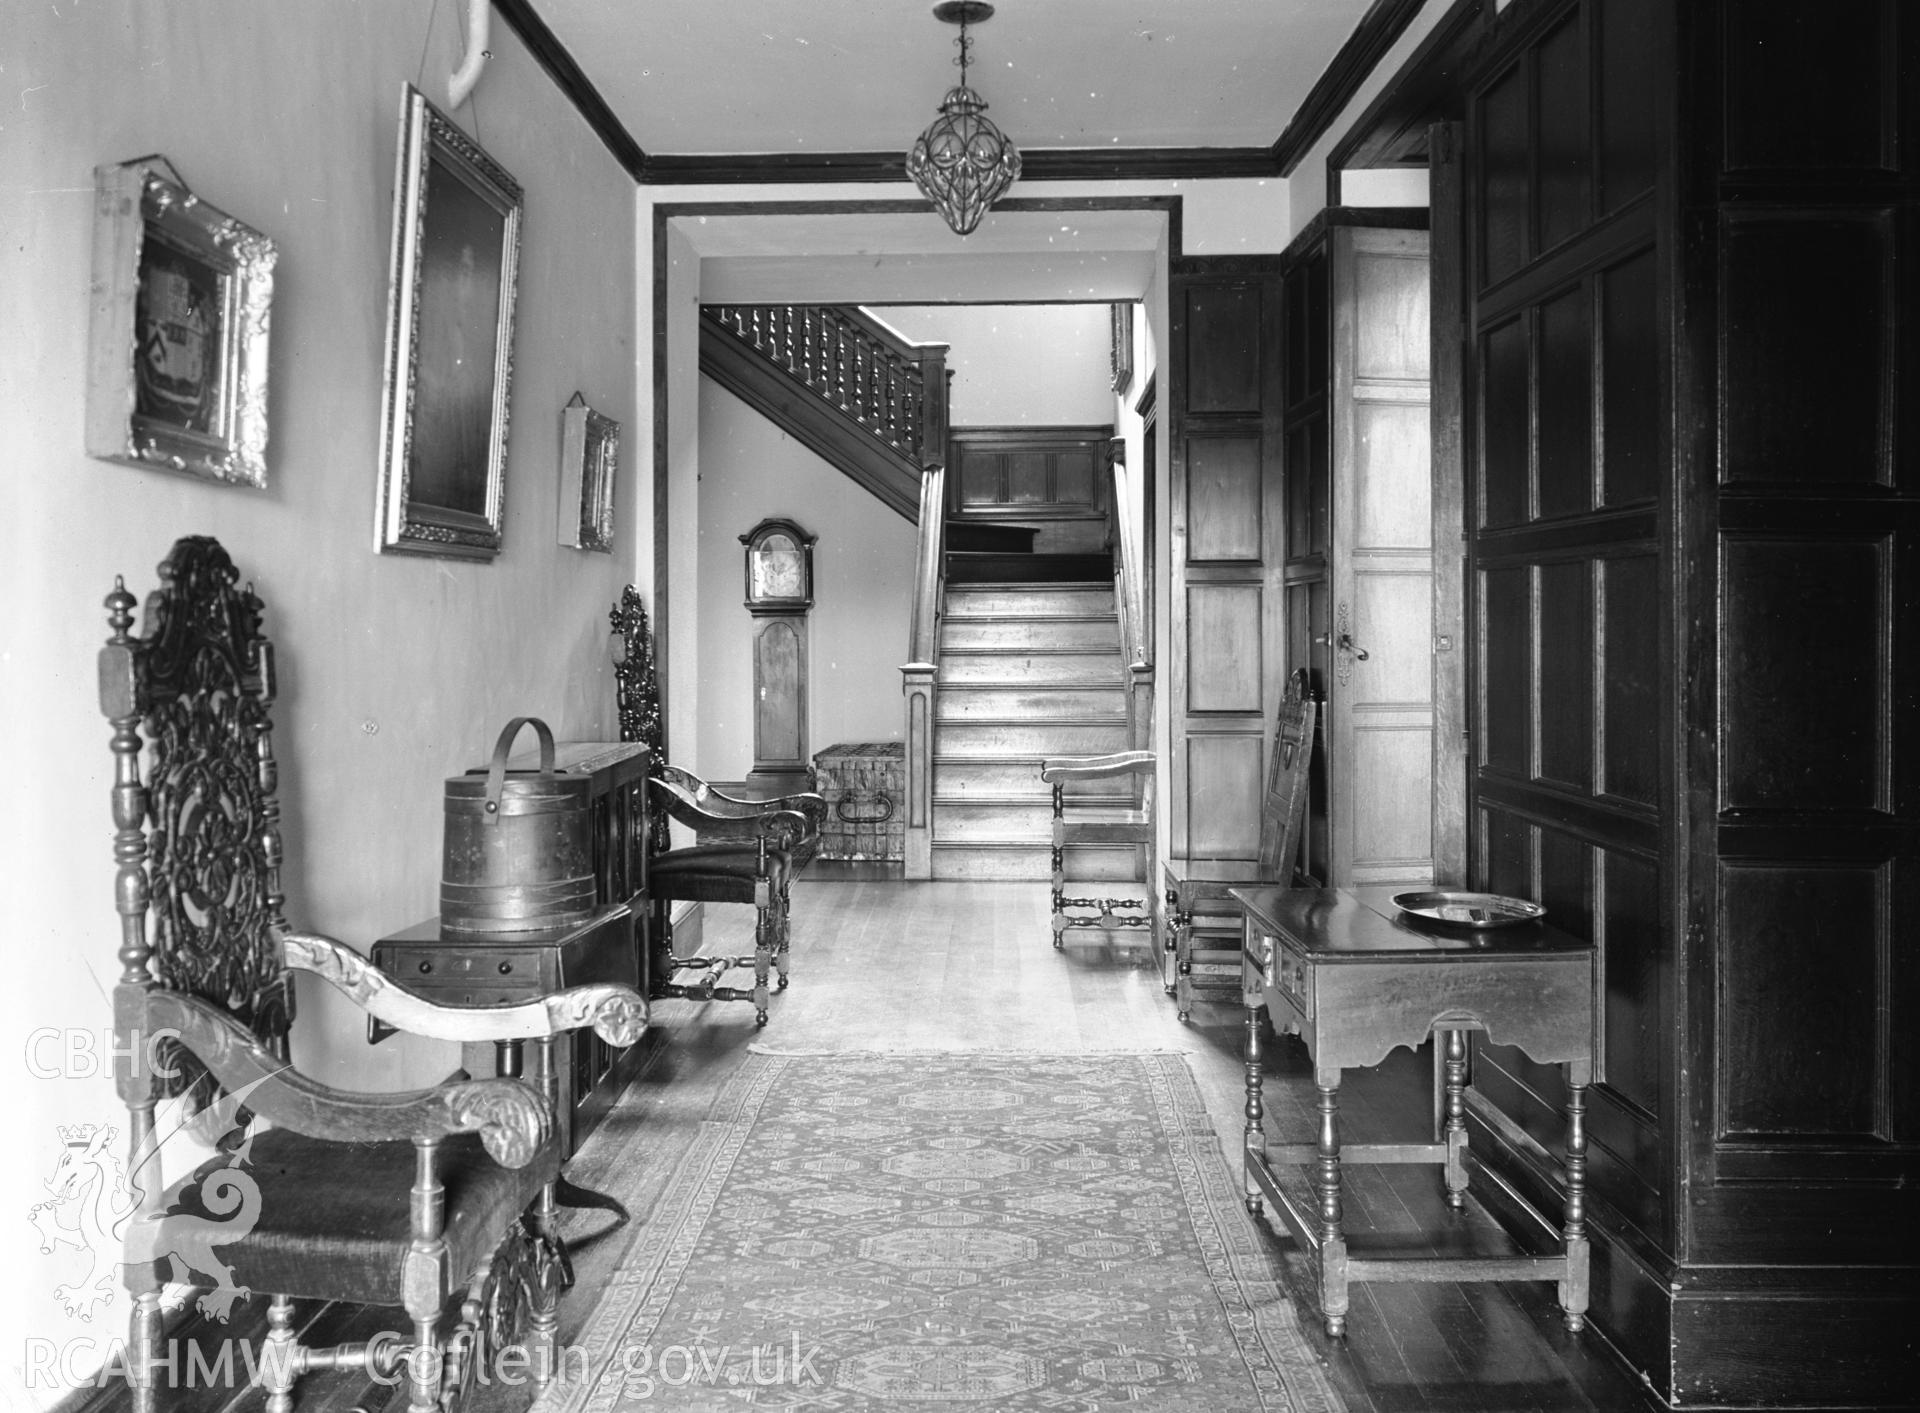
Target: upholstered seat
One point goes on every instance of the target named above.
(319, 1237)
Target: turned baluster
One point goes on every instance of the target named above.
(840, 357)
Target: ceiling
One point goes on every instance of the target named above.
(690, 78)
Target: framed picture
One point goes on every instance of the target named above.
(177, 375)
(443, 424)
(1122, 349)
(589, 464)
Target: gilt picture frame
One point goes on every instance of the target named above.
(589, 466)
(178, 322)
(449, 357)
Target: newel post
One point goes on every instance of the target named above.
(917, 685)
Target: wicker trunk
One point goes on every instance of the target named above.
(865, 788)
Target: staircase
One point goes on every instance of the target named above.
(841, 383)
(1027, 670)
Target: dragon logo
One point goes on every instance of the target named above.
(94, 1208)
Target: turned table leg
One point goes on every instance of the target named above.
(1326, 1187)
(1255, 1142)
(1455, 1133)
(1573, 1229)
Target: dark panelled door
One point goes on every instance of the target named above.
(1228, 662)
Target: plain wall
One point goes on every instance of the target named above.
(1018, 364)
(863, 562)
(394, 671)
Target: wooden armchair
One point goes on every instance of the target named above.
(1083, 822)
(748, 852)
(399, 1199)
(1203, 919)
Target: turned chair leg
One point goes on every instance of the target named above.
(763, 947)
(780, 954)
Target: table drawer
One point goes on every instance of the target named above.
(485, 976)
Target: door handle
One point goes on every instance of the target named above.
(1346, 646)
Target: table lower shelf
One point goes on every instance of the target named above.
(1337, 1263)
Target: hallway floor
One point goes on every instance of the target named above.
(969, 966)
(885, 965)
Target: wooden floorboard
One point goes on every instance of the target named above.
(883, 965)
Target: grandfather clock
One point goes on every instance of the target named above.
(779, 593)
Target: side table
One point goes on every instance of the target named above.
(504, 968)
(1343, 971)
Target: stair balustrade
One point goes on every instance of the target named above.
(894, 389)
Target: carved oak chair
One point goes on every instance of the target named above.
(748, 850)
(1204, 920)
(1077, 822)
(395, 1199)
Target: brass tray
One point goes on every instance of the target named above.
(1477, 910)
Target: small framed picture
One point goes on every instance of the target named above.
(589, 465)
(177, 337)
(450, 298)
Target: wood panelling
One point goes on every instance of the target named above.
(1803, 674)
(1225, 632)
(1224, 590)
(1564, 727)
(1691, 587)
(1359, 559)
(1633, 1045)
(1224, 499)
(1563, 191)
(1504, 232)
(1506, 410)
(1630, 362)
(1505, 634)
(1028, 473)
(1804, 93)
(1804, 973)
(1627, 91)
(1806, 352)
(1390, 511)
(1628, 666)
(1223, 776)
(1223, 349)
(1565, 437)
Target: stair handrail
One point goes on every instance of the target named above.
(896, 389)
(1136, 634)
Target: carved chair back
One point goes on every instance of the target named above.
(197, 841)
(1284, 807)
(637, 694)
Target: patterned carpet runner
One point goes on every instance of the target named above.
(1008, 1232)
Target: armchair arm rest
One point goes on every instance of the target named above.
(618, 1014)
(780, 828)
(513, 1121)
(1094, 767)
(719, 805)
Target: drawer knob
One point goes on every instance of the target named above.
(506, 968)
(425, 967)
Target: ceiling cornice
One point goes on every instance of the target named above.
(1369, 42)
(1385, 22)
(552, 56)
(1046, 164)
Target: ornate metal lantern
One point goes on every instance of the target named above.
(962, 163)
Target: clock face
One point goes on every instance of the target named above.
(778, 570)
